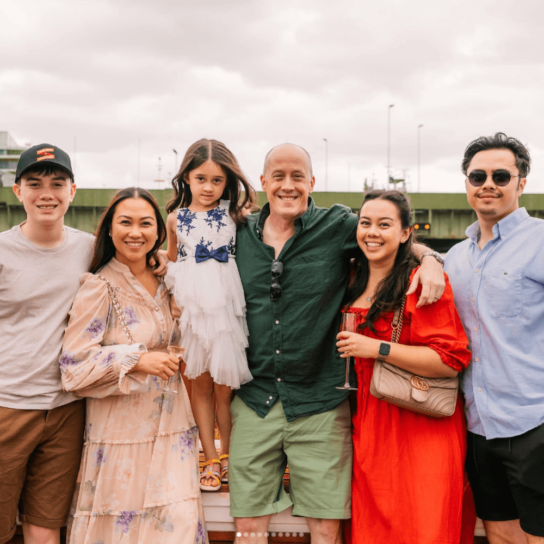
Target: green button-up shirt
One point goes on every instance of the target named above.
(292, 342)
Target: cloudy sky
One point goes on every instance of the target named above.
(113, 80)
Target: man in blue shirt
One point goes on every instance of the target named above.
(497, 277)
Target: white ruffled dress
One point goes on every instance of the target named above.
(206, 285)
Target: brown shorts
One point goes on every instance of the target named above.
(40, 454)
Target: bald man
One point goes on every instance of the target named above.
(294, 261)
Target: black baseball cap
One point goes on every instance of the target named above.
(43, 154)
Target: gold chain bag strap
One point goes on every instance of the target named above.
(435, 397)
(118, 311)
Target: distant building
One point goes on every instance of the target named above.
(10, 152)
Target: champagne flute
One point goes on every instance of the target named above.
(173, 349)
(349, 323)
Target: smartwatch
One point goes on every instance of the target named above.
(384, 350)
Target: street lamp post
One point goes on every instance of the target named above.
(389, 143)
(159, 168)
(138, 175)
(175, 161)
(418, 159)
(326, 163)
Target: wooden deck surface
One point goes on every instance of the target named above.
(217, 503)
(220, 537)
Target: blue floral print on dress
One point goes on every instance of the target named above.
(68, 359)
(100, 457)
(187, 444)
(231, 247)
(131, 316)
(156, 383)
(124, 519)
(185, 220)
(108, 360)
(215, 218)
(200, 533)
(96, 327)
(97, 355)
(88, 428)
(181, 252)
(206, 244)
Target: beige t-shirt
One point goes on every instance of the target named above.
(37, 288)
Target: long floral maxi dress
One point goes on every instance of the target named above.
(139, 472)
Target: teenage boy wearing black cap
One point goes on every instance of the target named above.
(41, 426)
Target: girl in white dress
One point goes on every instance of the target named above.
(204, 279)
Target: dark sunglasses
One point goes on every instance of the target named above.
(275, 287)
(500, 177)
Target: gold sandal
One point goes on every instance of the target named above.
(225, 469)
(210, 473)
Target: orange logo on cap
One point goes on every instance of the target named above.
(47, 153)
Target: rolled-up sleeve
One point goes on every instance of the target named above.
(439, 327)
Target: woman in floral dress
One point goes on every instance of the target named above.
(139, 473)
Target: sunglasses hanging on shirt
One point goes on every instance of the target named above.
(500, 177)
(275, 286)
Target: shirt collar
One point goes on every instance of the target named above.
(119, 266)
(302, 221)
(124, 269)
(503, 228)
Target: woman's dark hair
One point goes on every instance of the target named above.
(499, 141)
(391, 290)
(104, 249)
(238, 189)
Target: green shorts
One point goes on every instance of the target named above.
(319, 452)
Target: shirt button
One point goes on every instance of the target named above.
(267, 402)
(477, 270)
(270, 398)
(277, 352)
(471, 299)
(277, 322)
(477, 359)
(157, 309)
(279, 379)
(475, 329)
(479, 389)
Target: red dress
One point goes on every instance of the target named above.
(409, 482)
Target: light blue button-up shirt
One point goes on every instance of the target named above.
(499, 293)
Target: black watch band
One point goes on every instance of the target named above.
(384, 350)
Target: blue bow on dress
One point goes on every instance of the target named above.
(202, 253)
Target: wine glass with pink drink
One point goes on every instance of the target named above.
(349, 324)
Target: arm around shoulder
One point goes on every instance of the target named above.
(172, 241)
(430, 275)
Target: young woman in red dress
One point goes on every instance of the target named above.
(409, 483)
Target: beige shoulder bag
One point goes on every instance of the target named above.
(435, 397)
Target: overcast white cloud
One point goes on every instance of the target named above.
(103, 78)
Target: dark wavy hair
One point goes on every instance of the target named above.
(391, 290)
(104, 250)
(238, 189)
(499, 141)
